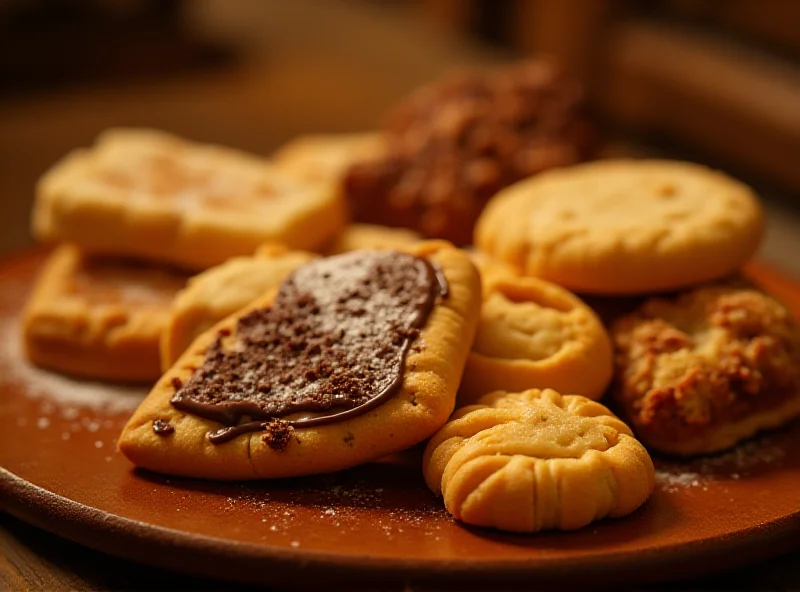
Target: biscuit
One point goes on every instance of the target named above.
(537, 460)
(325, 158)
(355, 357)
(221, 291)
(624, 226)
(490, 269)
(356, 237)
(97, 317)
(533, 334)
(155, 196)
(713, 366)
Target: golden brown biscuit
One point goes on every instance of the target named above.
(701, 372)
(624, 226)
(222, 290)
(368, 334)
(152, 195)
(491, 269)
(356, 237)
(99, 318)
(534, 334)
(325, 158)
(537, 460)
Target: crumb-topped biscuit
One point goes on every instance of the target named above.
(537, 460)
(624, 226)
(99, 317)
(354, 357)
(152, 195)
(221, 291)
(700, 372)
(356, 237)
(534, 334)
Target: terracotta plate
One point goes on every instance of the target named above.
(377, 523)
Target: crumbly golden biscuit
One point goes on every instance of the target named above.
(222, 290)
(189, 444)
(534, 334)
(325, 158)
(152, 195)
(97, 317)
(537, 460)
(624, 226)
(701, 372)
(356, 237)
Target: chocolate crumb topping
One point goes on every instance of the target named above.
(331, 346)
(162, 427)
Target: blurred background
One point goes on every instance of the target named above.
(714, 81)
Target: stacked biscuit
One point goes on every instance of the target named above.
(307, 345)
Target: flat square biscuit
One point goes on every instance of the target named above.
(161, 437)
(152, 195)
(99, 318)
(221, 291)
(325, 158)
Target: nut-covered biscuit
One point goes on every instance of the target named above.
(152, 195)
(356, 237)
(537, 460)
(99, 317)
(355, 357)
(221, 291)
(698, 373)
(452, 145)
(533, 334)
(624, 226)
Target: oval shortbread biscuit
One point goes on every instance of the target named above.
(624, 226)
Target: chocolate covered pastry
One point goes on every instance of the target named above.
(357, 356)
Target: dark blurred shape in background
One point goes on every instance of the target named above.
(717, 81)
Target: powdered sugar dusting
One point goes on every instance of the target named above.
(746, 460)
(62, 390)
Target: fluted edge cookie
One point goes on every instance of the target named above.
(155, 196)
(715, 365)
(164, 438)
(534, 334)
(624, 226)
(97, 317)
(537, 460)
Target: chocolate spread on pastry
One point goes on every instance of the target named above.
(331, 346)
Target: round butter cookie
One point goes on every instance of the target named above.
(537, 460)
(624, 226)
(533, 334)
(701, 372)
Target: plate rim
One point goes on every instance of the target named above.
(81, 523)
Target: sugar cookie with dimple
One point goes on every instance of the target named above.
(534, 334)
(152, 195)
(221, 291)
(537, 460)
(99, 317)
(624, 226)
(702, 371)
(355, 357)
